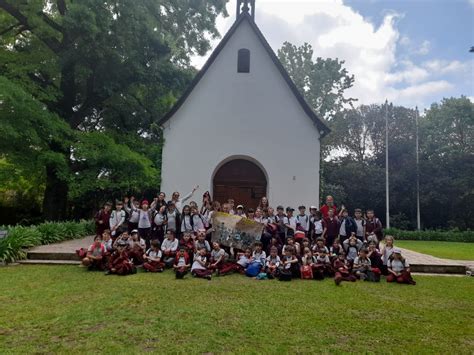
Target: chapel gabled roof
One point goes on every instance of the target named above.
(322, 127)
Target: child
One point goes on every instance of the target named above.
(251, 213)
(322, 265)
(172, 217)
(119, 263)
(352, 247)
(259, 216)
(347, 225)
(187, 243)
(136, 248)
(132, 211)
(144, 222)
(290, 222)
(258, 253)
(342, 268)
(335, 249)
(186, 220)
(290, 242)
(197, 220)
(272, 263)
(230, 203)
(360, 223)
(362, 265)
(373, 225)
(274, 243)
(302, 220)
(372, 238)
(107, 242)
(243, 260)
(218, 257)
(94, 259)
(375, 258)
(159, 224)
(318, 227)
(169, 248)
(319, 245)
(199, 267)
(331, 228)
(117, 218)
(307, 262)
(399, 269)
(289, 261)
(240, 211)
(280, 222)
(181, 263)
(201, 242)
(152, 258)
(304, 244)
(102, 219)
(387, 253)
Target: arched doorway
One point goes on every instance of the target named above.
(241, 180)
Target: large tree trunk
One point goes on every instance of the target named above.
(55, 197)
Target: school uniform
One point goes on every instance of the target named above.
(158, 228)
(136, 250)
(198, 269)
(216, 255)
(133, 217)
(386, 254)
(261, 257)
(180, 265)
(239, 266)
(102, 219)
(332, 230)
(303, 223)
(280, 222)
(360, 224)
(374, 226)
(186, 224)
(174, 221)
(291, 222)
(169, 256)
(352, 251)
(292, 267)
(400, 267)
(342, 271)
(205, 244)
(361, 267)
(180, 201)
(121, 263)
(321, 267)
(197, 222)
(376, 260)
(347, 226)
(272, 264)
(144, 225)
(318, 228)
(97, 252)
(154, 265)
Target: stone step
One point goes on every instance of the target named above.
(49, 262)
(45, 255)
(438, 269)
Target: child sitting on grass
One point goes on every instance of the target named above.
(152, 258)
(342, 269)
(362, 265)
(169, 248)
(218, 257)
(199, 267)
(243, 260)
(352, 247)
(181, 263)
(136, 248)
(399, 269)
(258, 253)
(119, 263)
(272, 263)
(289, 261)
(94, 259)
(322, 265)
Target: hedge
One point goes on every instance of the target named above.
(20, 238)
(453, 235)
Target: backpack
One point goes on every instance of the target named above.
(285, 275)
(253, 269)
(306, 272)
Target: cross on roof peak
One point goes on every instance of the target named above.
(246, 6)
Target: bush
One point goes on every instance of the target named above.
(453, 235)
(20, 238)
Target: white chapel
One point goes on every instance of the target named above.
(242, 130)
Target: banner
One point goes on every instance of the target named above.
(234, 231)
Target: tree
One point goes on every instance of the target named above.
(321, 81)
(105, 72)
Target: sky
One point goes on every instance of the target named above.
(411, 52)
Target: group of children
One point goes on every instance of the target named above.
(315, 246)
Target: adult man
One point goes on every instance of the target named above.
(329, 205)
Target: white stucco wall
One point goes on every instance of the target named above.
(243, 114)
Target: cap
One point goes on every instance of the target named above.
(313, 208)
(134, 231)
(145, 202)
(397, 251)
(288, 209)
(122, 243)
(240, 207)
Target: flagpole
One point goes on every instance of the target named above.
(387, 197)
(418, 217)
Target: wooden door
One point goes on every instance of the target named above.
(240, 180)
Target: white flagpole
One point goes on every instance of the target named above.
(418, 218)
(387, 197)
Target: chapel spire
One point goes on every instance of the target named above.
(246, 6)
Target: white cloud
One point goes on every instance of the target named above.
(425, 48)
(444, 66)
(336, 30)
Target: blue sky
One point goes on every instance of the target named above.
(413, 52)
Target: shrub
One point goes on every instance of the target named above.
(453, 235)
(20, 238)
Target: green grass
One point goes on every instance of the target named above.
(65, 309)
(447, 250)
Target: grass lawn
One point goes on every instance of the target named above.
(447, 250)
(66, 309)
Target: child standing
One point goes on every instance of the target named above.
(152, 258)
(373, 225)
(331, 228)
(347, 225)
(302, 220)
(102, 219)
(360, 223)
(117, 219)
